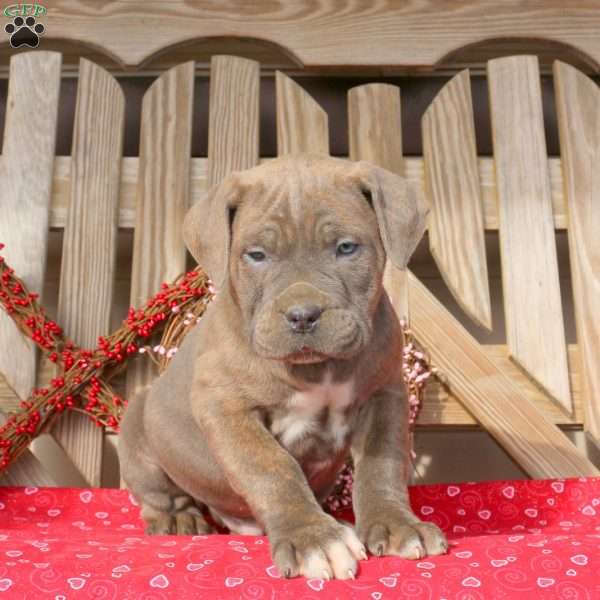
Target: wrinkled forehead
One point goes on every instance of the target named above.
(300, 197)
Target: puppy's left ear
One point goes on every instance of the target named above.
(207, 227)
(400, 208)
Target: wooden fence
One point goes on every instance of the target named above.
(521, 392)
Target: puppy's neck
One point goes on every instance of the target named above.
(340, 370)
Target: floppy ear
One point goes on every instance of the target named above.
(207, 227)
(400, 208)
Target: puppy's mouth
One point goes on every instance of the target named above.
(306, 355)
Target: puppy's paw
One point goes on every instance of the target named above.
(324, 549)
(180, 523)
(399, 537)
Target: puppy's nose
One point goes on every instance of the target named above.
(303, 319)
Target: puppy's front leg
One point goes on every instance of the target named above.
(304, 540)
(384, 520)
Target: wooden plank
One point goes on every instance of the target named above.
(317, 33)
(375, 125)
(89, 247)
(532, 302)
(578, 111)
(529, 437)
(302, 124)
(27, 471)
(526, 434)
(440, 406)
(414, 171)
(456, 232)
(375, 135)
(233, 116)
(162, 194)
(26, 174)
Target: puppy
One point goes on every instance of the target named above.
(296, 363)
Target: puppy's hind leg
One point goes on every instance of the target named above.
(165, 508)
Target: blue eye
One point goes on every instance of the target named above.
(346, 248)
(256, 255)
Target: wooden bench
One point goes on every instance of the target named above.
(521, 392)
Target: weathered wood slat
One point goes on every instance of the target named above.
(375, 135)
(162, 194)
(233, 116)
(479, 385)
(26, 172)
(198, 183)
(456, 232)
(578, 111)
(302, 124)
(526, 434)
(27, 471)
(320, 34)
(375, 125)
(532, 302)
(89, 246)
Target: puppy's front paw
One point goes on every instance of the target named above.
(399, 537)
(320, 549)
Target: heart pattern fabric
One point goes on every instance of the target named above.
(508, 539)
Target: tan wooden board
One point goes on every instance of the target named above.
(273, 57)
(578, 112)
(26, 170)
(89, 247)
(302, 125)
(532, 301)
(233, 116)
(413, 166)
(375, 135)
(456, 231)
(321, 33)
(27, 471)
(163, 194)
(490, 396)
(525, 432)
(375, 126)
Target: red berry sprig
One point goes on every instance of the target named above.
(81, 379)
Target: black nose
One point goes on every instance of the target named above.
(303, 319)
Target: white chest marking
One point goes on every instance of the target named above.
(305, 407)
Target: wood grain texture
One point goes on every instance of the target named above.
(162, 194)
(413, 170)
(27, 471)
(456, 231)
(441, 406)
(302, 124)
(233, 116)
(375, 125)
(323, 33)
(578, 112)
(26, 172)
(528, 436)
(89, 246)
(532, 302)
(375, 135)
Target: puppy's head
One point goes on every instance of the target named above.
(300, 243)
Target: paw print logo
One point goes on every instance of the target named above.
(24, 32)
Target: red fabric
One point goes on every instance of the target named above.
(522, 539)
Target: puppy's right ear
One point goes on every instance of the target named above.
(207, 227)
